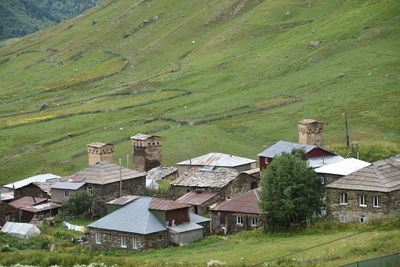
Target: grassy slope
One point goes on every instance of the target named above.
(245, 247)
(245, 55)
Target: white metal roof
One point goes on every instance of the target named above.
(21, 230)
(343, 167)
(324, 160)
(218, 160)
(38, 178)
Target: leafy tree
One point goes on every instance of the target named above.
(77, 204)
(291, 191)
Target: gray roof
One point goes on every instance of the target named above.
(157, 174)
(218, 160)
(283, 146)
(200, 178)
(343, 167)
(21, 230)
(317, 162)
(194, 218)
(103, 172)
(67, 185)
(142, 137)
(185, 227)
(38, 178)
(381, 176)
(134, 217)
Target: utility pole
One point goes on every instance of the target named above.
(347, 130)
(120, 178)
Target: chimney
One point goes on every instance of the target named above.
(146, 152)
(310, 132)
(99, 152)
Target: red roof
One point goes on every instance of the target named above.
(123, 200)
(27, 201)
(162, 204)
(245, 203)
(197, 197)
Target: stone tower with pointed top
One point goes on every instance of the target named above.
(146, 152)
(310, 132)
(100, 152)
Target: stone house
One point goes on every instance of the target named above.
(331, 172)
(237, 214)
(228, 182)
(199, 200)
(8, 213)
(35, 186)
(213, 161)
(145, 223)
(61, 191)
(107, 181)
(369, 193)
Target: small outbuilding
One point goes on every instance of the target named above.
(21, 230)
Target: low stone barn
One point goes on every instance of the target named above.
(213, 161)
(107, 181)
(237, 214)
(227, 182)
(145, 223)
(369, 193)
(28, 208)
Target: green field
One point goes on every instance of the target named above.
(246, 65)
(300, 247)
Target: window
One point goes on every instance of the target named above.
(343, 218)
(239, 220)
(343, 198)
(322, 180)
(134, 242)
(362, 201)
(363, 218)
(376, 202)
(66, 193)
(123, 241)
(90, 191)
(254, 221)
(97, 237)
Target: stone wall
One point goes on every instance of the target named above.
(206, 228)
(30, 190)
(146, 153)
(8, 213)
(107, 192)
(220, 219)
(112, 239)
(354, 211)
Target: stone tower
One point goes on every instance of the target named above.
(310, 132)
(146, 152)
(100, 152)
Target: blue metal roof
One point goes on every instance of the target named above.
(282, 146)
(67, 185)
(194, 218)
(134, 217)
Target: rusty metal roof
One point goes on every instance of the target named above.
(218, 160)
(123, 200)
(162, 204)
(197, 197)
(41, 207)
(27, 201)
(103, 172)
(245, 203)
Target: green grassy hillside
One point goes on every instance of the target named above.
(21, 17)
(228, 76)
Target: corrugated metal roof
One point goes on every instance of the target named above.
(6, 196)
(181, 228)
(196, 197)
(123, 200)
(325, 160)
(282, 146)
(103, 172)
(194, 218)
(134, 217)
(27, 201)
(245, 203)
(343, 167)
(21, 230)
(162, 204)
(67, 185)
(218, 160)
(27, 181)
(381, 176)
(41, 207)
(215, 179)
